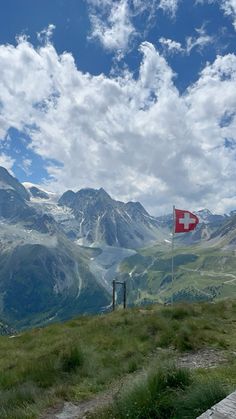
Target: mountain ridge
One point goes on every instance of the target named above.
(58, 257)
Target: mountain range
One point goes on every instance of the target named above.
(59, 254)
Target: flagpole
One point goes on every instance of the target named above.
(172, 251)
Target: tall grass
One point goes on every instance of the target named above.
(77, 359)
(200, 397)
(152, 397)
(167, 393)
(72, 359)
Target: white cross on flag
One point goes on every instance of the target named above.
(185, 221)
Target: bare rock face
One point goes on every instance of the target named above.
(8, 182)
(13, 197)
(38, 193)
(105, 220)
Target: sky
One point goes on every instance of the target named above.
(137, 97)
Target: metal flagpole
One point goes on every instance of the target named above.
(172, 250)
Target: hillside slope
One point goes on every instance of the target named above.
(78, 359)
(203, 272)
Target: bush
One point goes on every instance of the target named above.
(199, 398)
(169, 377)
(72, 359)
(154, 397)
(185, 339)
(168, 393)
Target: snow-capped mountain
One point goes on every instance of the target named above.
(44, 272)
(43, 275)
(205, 216)
(13, 197)
(209, 223)
(101, 219)
(47, 274)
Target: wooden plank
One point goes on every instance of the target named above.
(226, 409)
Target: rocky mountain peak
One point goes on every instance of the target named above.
(38, 193)
(135, 207)
(67, 198)
(7, 181)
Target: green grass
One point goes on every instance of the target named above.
(80, 358)
(201, 274)
(166, 393)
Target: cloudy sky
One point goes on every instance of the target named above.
(137, 97)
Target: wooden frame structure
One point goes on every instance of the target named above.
(114, 282)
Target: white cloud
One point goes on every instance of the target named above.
(228, 6)
(46, 34)
(137, 137)
(169, 6)
(112, 21)
(198, 42)
(6, 161)
(115, 32)
(152, 6)
(171, 46)
(27, 166)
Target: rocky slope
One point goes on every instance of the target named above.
(43, 275)
(101, 219)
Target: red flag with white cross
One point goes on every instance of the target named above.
(185, 221)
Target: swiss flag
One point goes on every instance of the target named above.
(185, 221)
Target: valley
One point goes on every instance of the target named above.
(59, 255)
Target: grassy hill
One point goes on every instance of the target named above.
(202, 273)
(79, 359)
(46, 280)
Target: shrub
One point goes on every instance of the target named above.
(132, 366)
(72, 359)
(154, 397)
(169, 377)
(184, 340)
(199, 398)
(168, 393)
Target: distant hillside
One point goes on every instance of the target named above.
(5, 329)
(201, 272)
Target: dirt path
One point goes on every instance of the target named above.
(205, 358)
(70, 410)
(211, 273)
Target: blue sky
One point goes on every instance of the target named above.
(136, 97)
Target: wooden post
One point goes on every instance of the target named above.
(114, 282)
(172, 251)
(124, 289)
(113, 295)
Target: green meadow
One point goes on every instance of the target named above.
(79, 359)
(201, 274)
